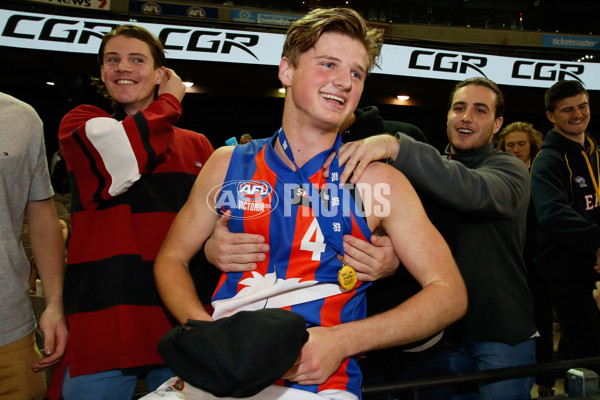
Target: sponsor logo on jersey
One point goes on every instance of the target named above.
(580, 180)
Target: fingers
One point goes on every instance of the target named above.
(46, 362)
(359, 250)
(381, 241)
(48, 344)
(223, 221)
(327, 163)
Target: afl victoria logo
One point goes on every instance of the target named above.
(247, 199)
(254, 190)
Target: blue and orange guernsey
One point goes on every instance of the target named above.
(300, 272)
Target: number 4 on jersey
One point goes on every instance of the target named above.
(313, 241)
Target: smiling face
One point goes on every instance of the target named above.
(517, 143)
(471, 118)
(326, 85)
(571, 116)
(129, 73)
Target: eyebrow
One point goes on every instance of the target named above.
(464, 103)
(332, 58)
(585, 103)
(128, 54)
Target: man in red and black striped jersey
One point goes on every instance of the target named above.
(130, 173)
(275, 188)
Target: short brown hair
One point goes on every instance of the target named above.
(304, 33)
(486, 83)
(535, 136)
(133, 31)
(561, 90)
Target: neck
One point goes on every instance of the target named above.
(348, 123)
(577, 138)
(304, 145)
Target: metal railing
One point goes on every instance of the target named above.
(457, 380)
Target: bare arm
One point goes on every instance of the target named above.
(49, 253)
(193, 224)
(426, 256)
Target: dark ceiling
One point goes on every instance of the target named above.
(579, 16)
(237, 99)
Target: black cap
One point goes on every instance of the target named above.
(236, 356)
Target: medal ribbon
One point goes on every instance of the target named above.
(330, 219)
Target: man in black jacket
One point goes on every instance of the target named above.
(564, 188)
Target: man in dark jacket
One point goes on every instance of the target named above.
(564, 188)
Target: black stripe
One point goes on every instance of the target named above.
(93, 166)
(144, 130)
(165, 192)
(97, 285)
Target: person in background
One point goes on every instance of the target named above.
(489, 190)
(27, 191)
(130, 173)
(326, 58)
(245, 138)
(564, 188)
(524, 141)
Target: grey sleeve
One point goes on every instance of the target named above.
(40, 188)
(496, 187)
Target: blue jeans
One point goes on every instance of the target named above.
(481, 356)
(110, 385)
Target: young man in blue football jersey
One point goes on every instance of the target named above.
(269, 185)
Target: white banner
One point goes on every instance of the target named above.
(76, 35)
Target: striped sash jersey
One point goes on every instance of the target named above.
(301, 270)
(129, 178)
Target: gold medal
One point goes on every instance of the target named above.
(347, 277)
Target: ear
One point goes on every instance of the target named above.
(160, 75)
(498, 124)
(102, 73)
(550, 117)
(286, 72)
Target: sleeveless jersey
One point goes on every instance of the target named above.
(300, 272)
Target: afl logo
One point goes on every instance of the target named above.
(196, 12)
(254, 190)
(580, 180)
(179, 385)
(151, 8)
(247, 199)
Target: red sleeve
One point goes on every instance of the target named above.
(106, 156)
